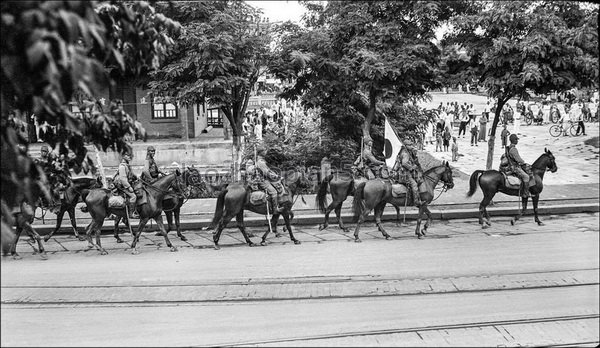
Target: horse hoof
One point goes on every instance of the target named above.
(322, 227)
(183, 238)
(46, 239)
(173, 248)
(388, 237)
(251, 244)
(297, 242)
(357, 240)
(103, 252)
(512, 222)
(119, 240)
(17, 257)
(345, 230)
(277, 235)
(484, 226)
(81, 238)
(43, 256)
(263, 243)
(540, 223)
(135, 252)
(217, 247)
(158, 234)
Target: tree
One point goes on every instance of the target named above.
(519, 47)
(219, 60)
(355, 57)
(54, 52)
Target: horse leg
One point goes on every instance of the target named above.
(428, 222)
(288, 224)
(330, 207)
(398, 223)
(13, 247)
(59, 218)
(361, 219)
(179, 234)
(378, 212)
(239, 218)
(71, 212)
(270, 222)
(484, 216)
(98, 233)
(521, 211)
(338, 213)
(88, 233)
(222, 224)
(136, 237)
(161, 226)
(116, 232)
(535, 200)
(274, 220)
(169, 215)
(419, 218)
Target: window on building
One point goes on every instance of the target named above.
(162, 108)
(214, 118)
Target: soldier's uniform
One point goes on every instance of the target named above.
(517, 165)
(123, 181)
(408, 170)
(151, 173)
(367, 162)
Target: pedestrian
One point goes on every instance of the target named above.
(464, 119)
(438, 139)
(577, 116)
(483, 120)
(447, 137)
(474, 131)
(454, 150)
(504, 135)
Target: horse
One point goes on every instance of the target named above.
(376, 193)
(235, 198)
(97, 205)
(171, 203)
(74, 194)
(492, 181)
(341, 185)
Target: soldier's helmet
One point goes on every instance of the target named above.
(44, 148)
(513, 138)
(151, 149)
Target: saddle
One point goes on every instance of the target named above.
(399, 190)
(514, 182)
(258, 197)
(118, 198)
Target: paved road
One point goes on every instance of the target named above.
(521, 285)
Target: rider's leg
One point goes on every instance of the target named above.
(415, 190)
(272, 192)
(131, 198)
(524, 182)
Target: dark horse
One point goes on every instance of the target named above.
(74, 194)
(376, 193)
(235, 198)
(97, 205)
(172, 202)
(492, 181)
(341, 185)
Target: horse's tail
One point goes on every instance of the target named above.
(473, 182)
(218, 210)
(357, 203)
(321, 198)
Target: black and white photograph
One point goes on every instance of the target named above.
(300, 173)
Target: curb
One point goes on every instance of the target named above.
(316, 219)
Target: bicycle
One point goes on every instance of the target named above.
(557, 129)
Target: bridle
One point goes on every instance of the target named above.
(444, 187)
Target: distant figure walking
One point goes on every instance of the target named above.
(482, 126)
(454, 150)
(504, 135)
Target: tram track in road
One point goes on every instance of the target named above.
(290, 289)
(499, 326)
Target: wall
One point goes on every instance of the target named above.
(158, 128)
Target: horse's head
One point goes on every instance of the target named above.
(297, 179)
(446, 176)
(551, 162)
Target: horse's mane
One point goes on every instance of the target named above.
(536, 163)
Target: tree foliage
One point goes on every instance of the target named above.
(353, 56)
(519, 47)
(54, 52)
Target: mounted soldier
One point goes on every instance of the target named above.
(260, 176)
(58, 175)
(151, 173)
(123, 181)
(408, 170)
(366, 163)
(512, 163)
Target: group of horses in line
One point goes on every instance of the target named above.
(168, 194)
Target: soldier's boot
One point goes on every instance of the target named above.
(417, 197)
(133, 214)
(275, 204)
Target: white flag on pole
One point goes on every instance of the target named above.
(392, 145)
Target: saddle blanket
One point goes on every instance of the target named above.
(116, 202)
(514, 182)
(258, 197)
(398, 190)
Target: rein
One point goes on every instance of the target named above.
(442, 190)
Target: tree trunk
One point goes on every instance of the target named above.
(492, 138)
(370, 114)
